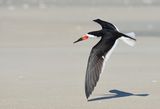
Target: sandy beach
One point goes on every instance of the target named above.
(41, 68)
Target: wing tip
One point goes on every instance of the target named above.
(95, 20)
(87, 96)
(87, 93)
(130, 41)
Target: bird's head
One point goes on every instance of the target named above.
(85, 37)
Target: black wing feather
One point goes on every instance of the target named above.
(105, 25)
(94, 69)
(95, 65)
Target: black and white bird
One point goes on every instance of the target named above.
(102, 50)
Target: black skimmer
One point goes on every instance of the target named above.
(102, 50)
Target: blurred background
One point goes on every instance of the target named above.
(41, 68)
(38, 22)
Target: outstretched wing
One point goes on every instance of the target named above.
(95, 65)
(106, 25)
(94, 69)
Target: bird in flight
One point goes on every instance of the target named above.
(100, 53)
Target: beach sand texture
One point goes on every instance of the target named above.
(41, 68)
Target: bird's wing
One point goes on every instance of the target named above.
(106, 25)
(95, 66)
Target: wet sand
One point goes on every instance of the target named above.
(40, 67)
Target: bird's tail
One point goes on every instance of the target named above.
(130, 40)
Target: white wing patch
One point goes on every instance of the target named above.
(129, 41)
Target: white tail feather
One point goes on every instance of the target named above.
(129, 41)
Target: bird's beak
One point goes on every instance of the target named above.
(85, 37)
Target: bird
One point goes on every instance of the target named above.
(101, 52)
